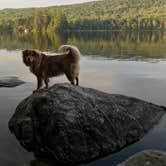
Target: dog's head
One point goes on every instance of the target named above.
(31, 57)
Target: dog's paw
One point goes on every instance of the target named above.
(35, 90)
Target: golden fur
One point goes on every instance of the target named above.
(44, 66)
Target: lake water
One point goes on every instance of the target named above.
(132, 64)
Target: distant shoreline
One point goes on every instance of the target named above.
(118, 30)
(95, 30)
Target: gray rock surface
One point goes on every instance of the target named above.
(146, 158)
(70, 124)
(10, 82)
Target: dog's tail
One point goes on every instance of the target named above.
(71, 51)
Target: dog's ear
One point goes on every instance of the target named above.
(25, 52)
(34, 53)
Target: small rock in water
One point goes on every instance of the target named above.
(71, 124)
(146, 158)
(10, 82)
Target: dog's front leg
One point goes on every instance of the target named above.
(46, 81)
(39, 82)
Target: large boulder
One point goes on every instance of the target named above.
(146, 158)
(71, 124)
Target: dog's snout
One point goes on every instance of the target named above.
(28, 60)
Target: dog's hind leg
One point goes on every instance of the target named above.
(70, 78)
(77, 81)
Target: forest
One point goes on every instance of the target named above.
(130, 15)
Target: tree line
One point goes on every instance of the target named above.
(57, 21)
(101, 15)
(37, 21)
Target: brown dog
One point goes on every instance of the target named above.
(44, 67)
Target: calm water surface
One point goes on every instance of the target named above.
(127, 63)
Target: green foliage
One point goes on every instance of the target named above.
(36, 20)
(100, 15)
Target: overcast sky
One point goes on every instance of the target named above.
(36, 3)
